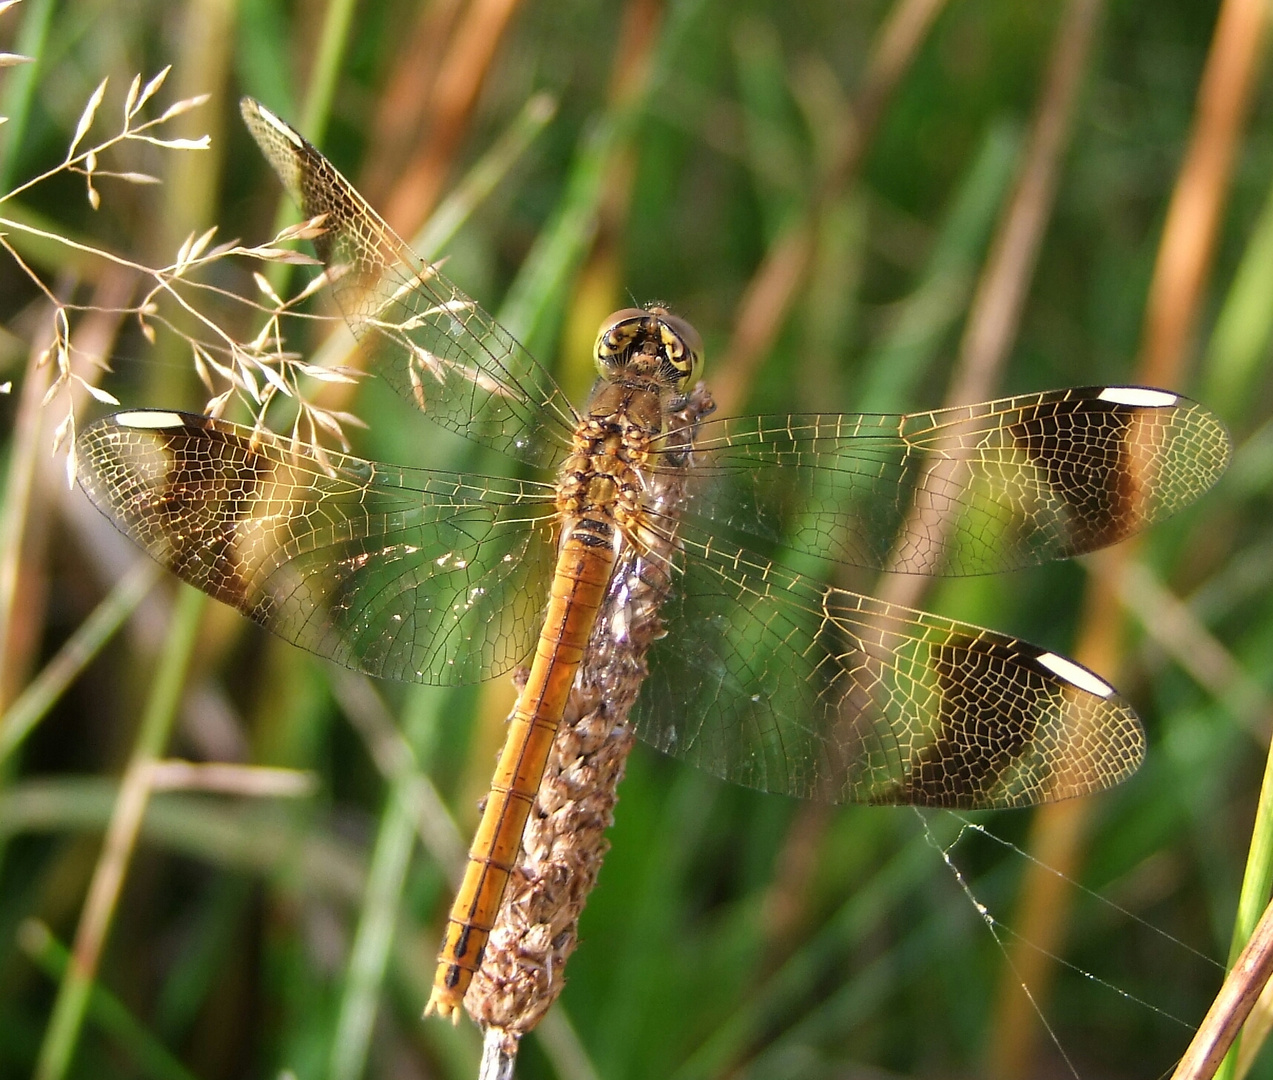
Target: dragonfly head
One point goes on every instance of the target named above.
(650, 346)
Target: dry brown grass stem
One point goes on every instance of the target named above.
(461, 77)
(21, 544)
(1180, 275)
(223, 778)
(1198, 201)
(403, 105)
(768, 297)
(1231, 1006)
(29, 446)
(995, 315)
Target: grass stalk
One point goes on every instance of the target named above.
(373, 940)
(482, 179)
(382, 900)
(79, 650)
(315, 112)
(15, 103)
(461, 75)
(63, 1032)
(323, 76)
(147, 1054)
(19, 489)
(1257, 881)
(1219, 1029)
(894, 369)
(203, 66)
(255, 839)
(774, 286)
(534, 305)
(1239, 343)
(1201, 191)
(771, 1002)
(995, 317)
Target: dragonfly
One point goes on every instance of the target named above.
(763, 670)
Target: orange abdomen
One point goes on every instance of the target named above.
(583, 573)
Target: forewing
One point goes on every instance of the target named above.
(771, 680)
(433, 344)
(989, 487)
(405, 574)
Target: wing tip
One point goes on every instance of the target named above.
(254, 112)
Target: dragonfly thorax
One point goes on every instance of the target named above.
(651, 347)
(601, 480)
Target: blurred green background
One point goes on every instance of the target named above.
(826, 221)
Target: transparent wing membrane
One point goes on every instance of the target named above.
(405, 574)
(428, 340)
(791, 686)
(972, 490)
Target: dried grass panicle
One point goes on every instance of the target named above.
(523, 968)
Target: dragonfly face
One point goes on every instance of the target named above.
(651, 346)
(768, 677)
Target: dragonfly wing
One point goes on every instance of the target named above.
(972, 490)
(407, 574)
(774, 681)
(432, 343)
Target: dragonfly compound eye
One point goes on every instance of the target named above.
(619, 332)
(682, 346)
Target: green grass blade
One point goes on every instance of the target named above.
(150, 1057)
(79, 650)
(63, 1032)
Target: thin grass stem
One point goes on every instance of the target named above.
(147, 1054)
(1219, 1029)
(66, 1022)
(1252, 901)
(1202, 188)
(321, 88)
(33, 704)
(20, 87)
(20, 485)
(382, 899)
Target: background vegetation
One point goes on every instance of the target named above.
(860, 206)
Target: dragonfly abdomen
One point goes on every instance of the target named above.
(598, 498)
(584, 567)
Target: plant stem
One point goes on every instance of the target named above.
(62, 1034)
